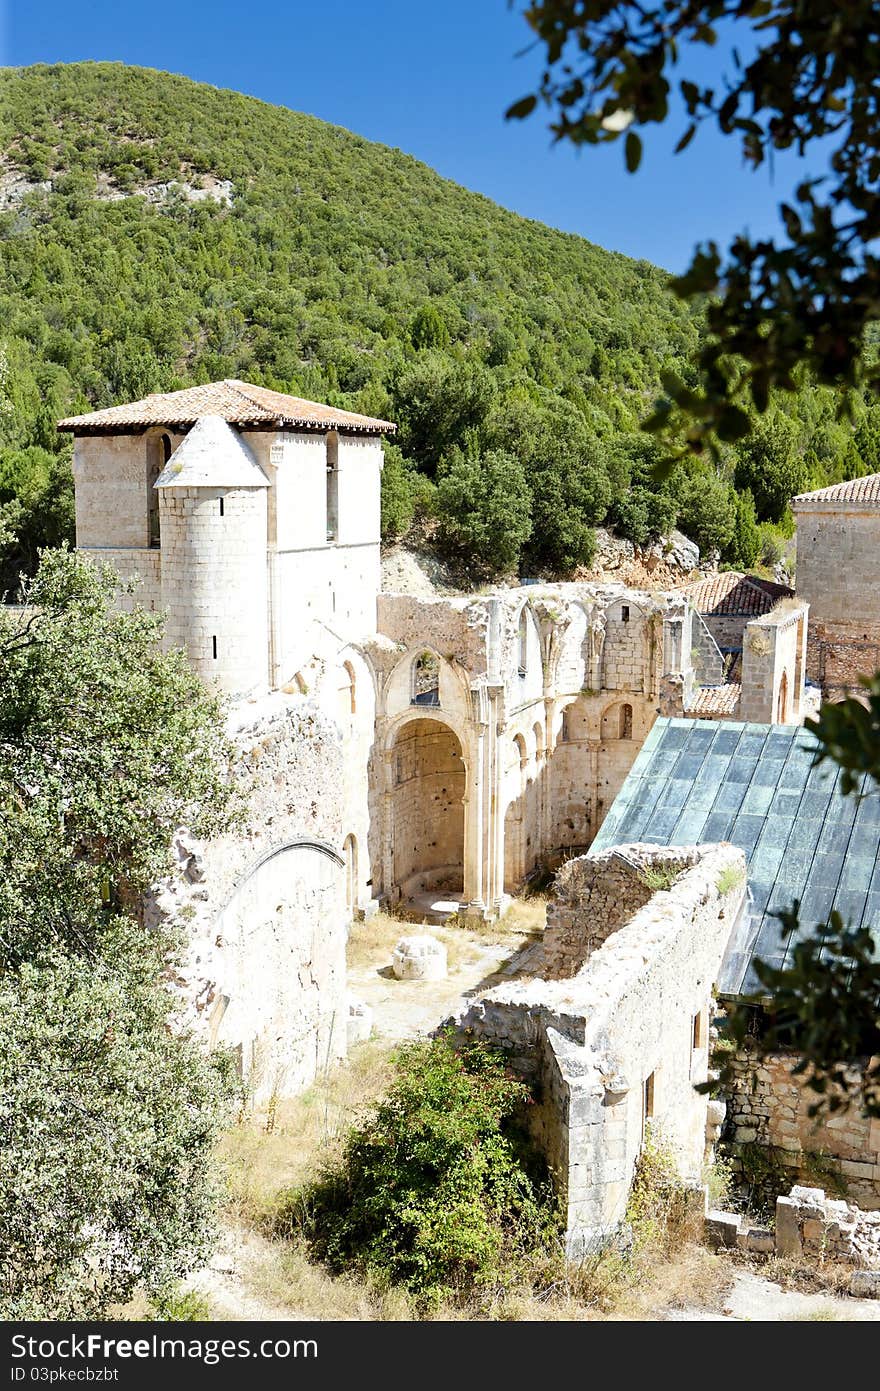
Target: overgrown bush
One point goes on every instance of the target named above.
(437, 1190)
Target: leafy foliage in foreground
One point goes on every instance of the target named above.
(435, 1190)
(346, 272)
(809, 298)
(107, 1119)
(107, 1122)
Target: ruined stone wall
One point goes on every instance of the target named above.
(767, 1106)
(592, 898)
(726, 628)
(839, 653)
(627, 657)
(826, 1229)
(263, 910)
(618, 1047)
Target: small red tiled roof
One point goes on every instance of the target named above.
(238, 403)
(733, 592)
(865, 490)
(715, 702)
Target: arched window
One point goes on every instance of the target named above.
(625, 728)
(350, 854)
(425, 680)
(565, 731)
(519, 743)
(538, 732)
(522, 643)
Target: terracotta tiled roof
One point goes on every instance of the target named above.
(238, 403)
(866, 490)
(715, 702)
(733, 592)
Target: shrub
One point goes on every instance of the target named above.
(437, 1190)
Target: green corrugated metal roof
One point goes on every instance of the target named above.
(757, 786)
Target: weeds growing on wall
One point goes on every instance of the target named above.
(437, 1190)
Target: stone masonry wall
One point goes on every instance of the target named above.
(592, 898)
(263, 910)
(767, 1106)
(619, 1047)
(826, 1229)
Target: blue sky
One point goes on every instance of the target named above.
(433, 79)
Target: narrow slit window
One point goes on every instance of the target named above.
(332, 488)
(523, 643)
(698, 1030)
(221, 507)
(649, 1097)
(624, 612)
(214, 646)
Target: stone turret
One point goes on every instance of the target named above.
(212, 517)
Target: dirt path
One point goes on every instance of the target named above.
(754, 1299)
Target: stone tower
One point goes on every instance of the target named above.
(212, 517)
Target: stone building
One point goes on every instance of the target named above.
(431, 754)
(838, 536)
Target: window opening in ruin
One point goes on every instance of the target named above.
(158, 454)
(539, 740)
(782, 700)
(332, 488)
(626, 722)
(565, 732)
(221, 507)
(523, 642)
(425, 680)
(520, 746)
(214, 645)
(698, 1030)
(624, 612)
(351, 872)
(649, 1097)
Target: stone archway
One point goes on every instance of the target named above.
(428, 783)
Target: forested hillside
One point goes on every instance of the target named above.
(155, 232)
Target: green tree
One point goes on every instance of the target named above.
(706, 509)
(107, 1122)
(107, 746)
(484, 509)
(438, 403)
(770, 466)
(428, 328)
(107, 1118)
(744, 546)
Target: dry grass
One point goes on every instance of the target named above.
(306, 1132)
(668, 1269)
(371, 943)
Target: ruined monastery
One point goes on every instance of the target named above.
(430, 755)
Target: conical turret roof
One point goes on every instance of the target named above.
(212, 455)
